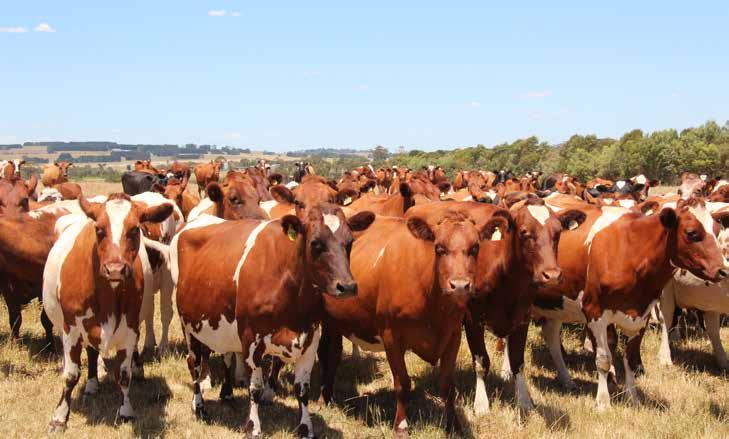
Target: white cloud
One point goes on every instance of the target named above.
(217, 12)
(312, 73)
(13, 30)
(475, 104)
(363, 87)
(233, 135)
(44, 27)
(235, 14)
(116, 130)
(538, 94)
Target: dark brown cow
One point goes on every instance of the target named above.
(206, 173)
(415, 277)
(15, 195)
(93, 286)
(615, 267)
(55, 173)
(263, 284)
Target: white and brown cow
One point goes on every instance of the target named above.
(10, 168)
(93, 286)
(615, 267)
(255, 288)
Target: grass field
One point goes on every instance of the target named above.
(690, 399)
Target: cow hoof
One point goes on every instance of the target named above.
(248, 430)
(126, 419)
(56, 427)
(92, 386)
(302, 431)
(401, 433)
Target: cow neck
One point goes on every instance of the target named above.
(307, 305)
(654, 271)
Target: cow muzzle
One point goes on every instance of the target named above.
(116, 273)
(345, 289)
(459, 287)
(552, 276)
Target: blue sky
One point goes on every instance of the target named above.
(287, 75)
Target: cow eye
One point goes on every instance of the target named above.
(525, 234)
(693, 235)
(100, 233)
(317, 247)
(473, 250)
(133, 233)
(440, 250)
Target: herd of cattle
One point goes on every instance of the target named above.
(394, 260)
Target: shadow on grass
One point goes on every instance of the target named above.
(693, 360)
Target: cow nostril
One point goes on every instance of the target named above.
(722, 273)
(347, 288)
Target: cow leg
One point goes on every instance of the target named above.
(711, 319)
(550, 334)
(148, 315)
(195, 366)
(48, 328)
(165, 308)
(516, 343)
(271, 384)
(330, 354)
(92, 384)
(302, 380)
(241, 376)
(603, 361)
(71, 372)
(226, 390)
(506, 374)
(481, 364)
(400, 378)
(355, 352)
(253, 425)
(123, 375)
(446, 384)
(631, 363)
(15, 315)
(668, 307)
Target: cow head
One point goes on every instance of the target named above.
(327, 237)
(456, 242)
(420, 184)
(479, 189)
(175, 188)
(63, 169)
(118, 236)
(692, 185)
(695, 246)
(236, 198)
(312, 191)
(15, 194)
(538, 231)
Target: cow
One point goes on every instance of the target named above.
(313, 190)
(415, 277)
(15, 194)
(176, 191)
(136, 182)
(720, 192)
(180, 170)
(263, 282)
(10, 168)
(523, 259)
(358, 185)
(146, 166)
(206, 173)
(93, 286)
(692, 185)
(235, 200)
(615, 266)
(384, 179)
(388, 205)
(55, 173)
(435, 174)
(687, 291)
(302, 170)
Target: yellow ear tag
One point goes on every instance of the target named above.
(291, 233)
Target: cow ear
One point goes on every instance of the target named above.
(494, 229)
(444, 186)
(346, 196)
(158, 188)
(722, 218)
(420, 229)
(282, 194)
(32, 183)
(405, 190)
(92, 210)
(571, 219)
(292, 226)
(275, 179)
(361, 221)
(156, 214)
(215, 192)
(669, 219)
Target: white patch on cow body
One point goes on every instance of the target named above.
(719, 184)
(570, 312)
(540, 213)
(291, 184)
(332, 221)
(203, 220)
(267, 206)
(117, 211)
(248, 246)
(468, 198)
(50, 194)
(202, 207)
(481, 404)
(224, 338)
(610, 214)
(379, 346)
(626, 203)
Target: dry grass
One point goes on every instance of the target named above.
(690, 399)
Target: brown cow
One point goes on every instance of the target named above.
(720, 192)
(10, 168)
(55, 173)
(180, 170)
(263, 284)
(176, 191)
(615, 267)
(415, 277)
(313, 190)
(384, 179)
(388, 205)
(206, 173)
(93, 287)
(145, 166)
(15, 195)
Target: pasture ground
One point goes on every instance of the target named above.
(690, 399)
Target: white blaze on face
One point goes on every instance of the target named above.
(641, 179)
(332, 221)
(626, 203)
(620, 184)
(540, 213)
(117, 210)
(705, 219)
